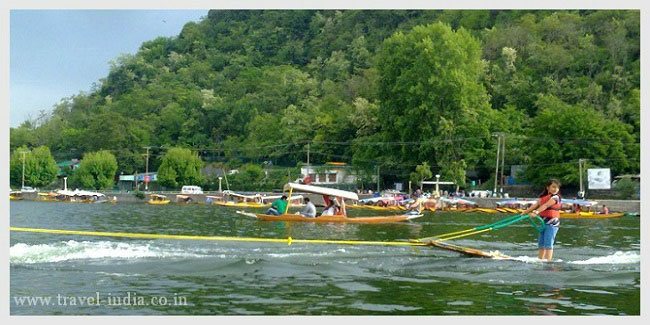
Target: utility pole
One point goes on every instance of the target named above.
(307, 154)
(146, 171)
(23, 152)
(581, 163)
(496, 172)
(503, 158)
(226, 178)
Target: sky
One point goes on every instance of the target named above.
(55, 54)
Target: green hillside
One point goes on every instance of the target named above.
(393, 89)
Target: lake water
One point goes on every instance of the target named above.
(596, 270)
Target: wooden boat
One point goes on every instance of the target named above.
(244, 201)
(51, 196)
(241, 204)
(183, 198)
(158, 199)
(339, 199)
(80, 196)
(15, 195)
(325, 219)
(589, 215)
(258, 201)
(378, 208)
(575, 213)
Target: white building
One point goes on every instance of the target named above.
(329, 173)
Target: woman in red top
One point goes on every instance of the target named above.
(548, 207)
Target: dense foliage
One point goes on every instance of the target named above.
(39, 166)
(96, 171)
(180, 167)
(374, 88)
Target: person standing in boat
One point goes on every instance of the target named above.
(278, 207)
(309, 210)
(548, 207)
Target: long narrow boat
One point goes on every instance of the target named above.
(15, 195)
(296, 201)
(339, 198)
(589, 215)
(325, 219)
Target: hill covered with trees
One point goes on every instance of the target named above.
(394, 89)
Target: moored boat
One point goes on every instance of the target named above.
(339, 197)
(158, 199)
(15, 195)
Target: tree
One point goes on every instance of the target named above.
(455, 171)
(40, 167)
(180, 167)
(562, 133)
(429, 81)
(96, 171)
(421, 173)
(249, 178)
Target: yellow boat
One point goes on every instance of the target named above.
(158, 199)
(258, 201)
(241, 204)
(589, 215)
(51, 196)
(15, 195)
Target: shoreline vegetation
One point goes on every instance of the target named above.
(396, 95)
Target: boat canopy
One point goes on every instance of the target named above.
(371, 200)
(322, 190)
(78, 192)
(385, 199)
(275, 197)
(515, 201)
(579, 202)
(457, 201)
(242, 195)
(158, 196)
(87, 193)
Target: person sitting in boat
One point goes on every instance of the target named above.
(309, 210)
(278, 207)
(331, 209)
(605, 209)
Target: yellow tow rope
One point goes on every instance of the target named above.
(288, 240)
(450, 236)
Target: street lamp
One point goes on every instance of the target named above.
(496, 172)
(437, 183)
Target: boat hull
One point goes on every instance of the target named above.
(329, 219)
(241, 205)
(589, 216)
(158, 202)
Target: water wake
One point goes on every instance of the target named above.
(616, 258)
(74, 250)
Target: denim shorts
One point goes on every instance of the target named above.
(547, 237)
